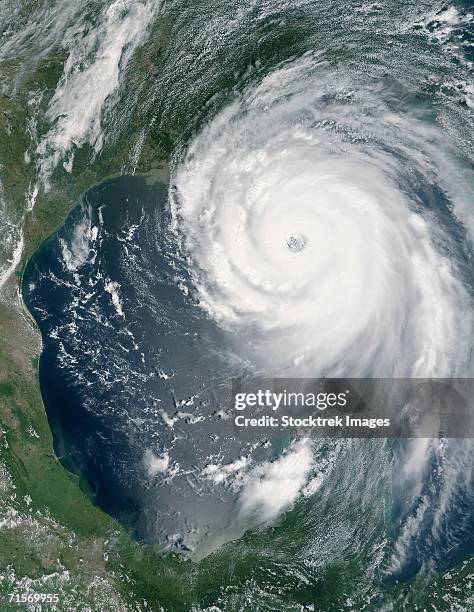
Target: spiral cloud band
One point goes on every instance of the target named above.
(377, 287)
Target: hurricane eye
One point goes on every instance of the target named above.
(295, 242)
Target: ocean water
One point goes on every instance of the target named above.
(350, 125)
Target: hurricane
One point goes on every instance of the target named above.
(378, 286)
